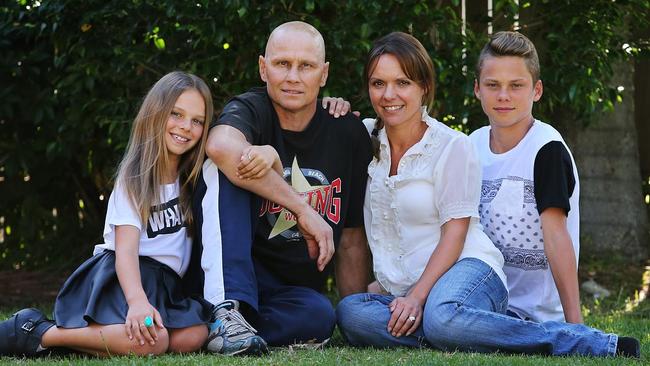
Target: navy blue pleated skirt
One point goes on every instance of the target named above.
(92, 294)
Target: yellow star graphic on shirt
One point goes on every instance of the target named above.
(286, 220)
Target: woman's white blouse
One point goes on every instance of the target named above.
(438, 179)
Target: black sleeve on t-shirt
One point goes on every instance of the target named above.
(250, 113)
(553, 176)
(362, 157)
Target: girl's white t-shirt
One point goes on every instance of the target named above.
(163, 238)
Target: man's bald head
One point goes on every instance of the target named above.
(294, 69)
(284, 31)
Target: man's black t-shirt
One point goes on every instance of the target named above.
(327, 163)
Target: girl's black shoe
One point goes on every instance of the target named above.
(21, 334)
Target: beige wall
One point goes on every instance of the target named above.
(613, 214)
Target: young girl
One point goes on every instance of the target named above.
(127, 298)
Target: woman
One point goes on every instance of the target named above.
(439, 277)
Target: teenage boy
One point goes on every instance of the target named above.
(529, 195)
(529, 198)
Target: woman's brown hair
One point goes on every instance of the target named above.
(415, 62)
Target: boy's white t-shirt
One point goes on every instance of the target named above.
(510, 217)
(163, 238)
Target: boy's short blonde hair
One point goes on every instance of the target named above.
(508, 43)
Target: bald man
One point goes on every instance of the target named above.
(269, 258)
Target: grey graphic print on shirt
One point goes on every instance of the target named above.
(510, 219)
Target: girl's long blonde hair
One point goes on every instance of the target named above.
(146, 160)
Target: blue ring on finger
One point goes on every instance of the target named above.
(148, 321)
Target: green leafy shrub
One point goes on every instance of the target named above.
(73, 73)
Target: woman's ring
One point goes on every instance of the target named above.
(148, 321)
(411, 318)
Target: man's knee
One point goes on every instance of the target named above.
(324, 312)
(318, 318)
(304, 316)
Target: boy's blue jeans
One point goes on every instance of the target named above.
(465, 311)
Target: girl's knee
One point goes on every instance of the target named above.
(188, 339)
(147, 350)
(159, 348)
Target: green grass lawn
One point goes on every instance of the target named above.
(609, 316)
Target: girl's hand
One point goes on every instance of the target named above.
(135, 322)
(256, 161)
(406, 315)
(338, 106)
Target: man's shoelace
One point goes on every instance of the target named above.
(235, 323)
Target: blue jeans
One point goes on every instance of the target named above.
(465, 310)
(290, 314)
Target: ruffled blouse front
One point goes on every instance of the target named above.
(438, 179)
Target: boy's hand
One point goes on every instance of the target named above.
(135, 322)
(338, 106)
(256, 161)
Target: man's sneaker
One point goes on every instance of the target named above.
(230, 333)
(21, 334)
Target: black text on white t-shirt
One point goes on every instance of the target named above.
(165, 218)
